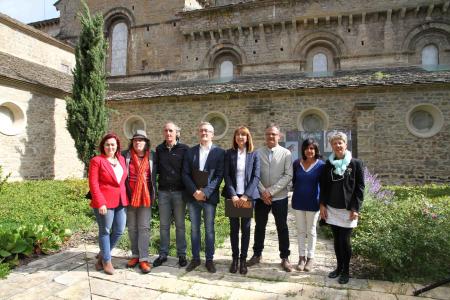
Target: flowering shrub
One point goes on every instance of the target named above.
(407, 233)
(374, 189)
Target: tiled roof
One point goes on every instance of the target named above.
(25, 71)
(276, 82)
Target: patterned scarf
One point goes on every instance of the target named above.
(340, 165)
(141, 194)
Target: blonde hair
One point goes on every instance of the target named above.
(249, 143)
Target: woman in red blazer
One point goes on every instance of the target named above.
(107, 175)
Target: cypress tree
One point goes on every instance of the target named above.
(87, 114)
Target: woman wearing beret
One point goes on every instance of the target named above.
(341, 196)
(107, 174)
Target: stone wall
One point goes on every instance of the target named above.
(269, 36)
(38, 145)
(272, 37)
(376, 117)
(32, 45)
(44, 149)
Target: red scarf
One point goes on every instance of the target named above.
(141, 194)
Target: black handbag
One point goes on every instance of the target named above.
(88, 195)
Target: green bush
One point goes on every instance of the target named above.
(38, 216)
(35, 202)
(408, 236)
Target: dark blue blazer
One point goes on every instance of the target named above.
(252, 174)
(213, 165)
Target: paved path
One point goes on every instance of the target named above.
(71, 275)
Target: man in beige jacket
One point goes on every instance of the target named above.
(276, 174)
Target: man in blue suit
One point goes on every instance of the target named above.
(208, 158)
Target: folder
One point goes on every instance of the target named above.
(200, 178)
(238, 212)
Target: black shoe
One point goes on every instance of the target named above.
(335, 273)
(210, 266)
(182, 261)
(159, 261)
(254, 260)
(344, 278)
(234, 265)
(192, 265)
(243, 266)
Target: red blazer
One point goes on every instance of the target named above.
(105, 190)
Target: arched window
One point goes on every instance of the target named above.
(320, 63)
(226, 69)
(119, 47)
(430, 55)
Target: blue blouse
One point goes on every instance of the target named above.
(306, 186)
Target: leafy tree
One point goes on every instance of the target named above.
(87, 114)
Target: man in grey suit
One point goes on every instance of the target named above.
(276, 173)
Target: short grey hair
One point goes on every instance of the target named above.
(177, 128)
(337, 135)
(204, 123)
(273, 125)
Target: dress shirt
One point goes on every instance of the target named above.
(240, 171)
(204, 151)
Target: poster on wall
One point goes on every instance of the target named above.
(294, 140)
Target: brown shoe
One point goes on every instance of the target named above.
(132, 262)
(192, 265)
(108, 267)
(286, 265)
(254, 260)
(145, 267)
(209, 264)
(301, 263)
(98, 263)
(309, 264)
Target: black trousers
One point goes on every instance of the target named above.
(342, 247)
(244, 224)
(279, 210)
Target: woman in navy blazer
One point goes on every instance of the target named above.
(242, 173)
(107, 174)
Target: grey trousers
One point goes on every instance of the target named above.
(138, 221)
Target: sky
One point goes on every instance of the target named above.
(28, 11)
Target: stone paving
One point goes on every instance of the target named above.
(71, 275)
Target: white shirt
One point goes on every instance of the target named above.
(310, 167)
(118, 171)
(204, 151)
(240, 171)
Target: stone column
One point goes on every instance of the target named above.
(365, 133)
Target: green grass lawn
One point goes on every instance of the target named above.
(407, 237)
(59, 205)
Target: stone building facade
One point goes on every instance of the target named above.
(377, 68)
(34, 80)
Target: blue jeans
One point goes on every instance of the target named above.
(209, 213)
(110, 228)
(168, 202)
